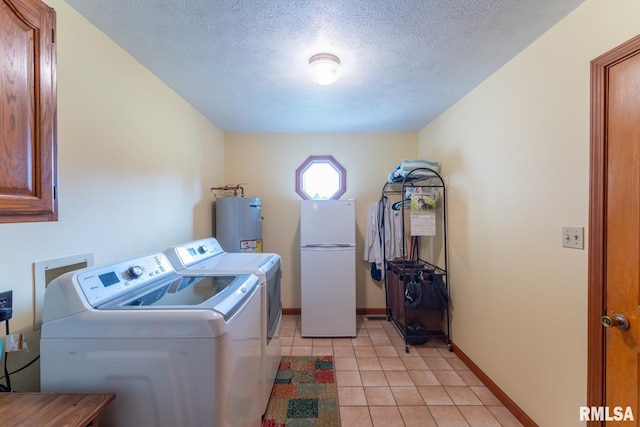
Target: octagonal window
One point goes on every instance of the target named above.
(321, 178)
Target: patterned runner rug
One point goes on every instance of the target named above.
(304, 394)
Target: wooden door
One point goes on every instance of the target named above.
(614, 259)
(622, 231)
(27, 112)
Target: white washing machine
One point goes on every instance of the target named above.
(206, 256)
(178, 350)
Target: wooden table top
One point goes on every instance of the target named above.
(51, 409)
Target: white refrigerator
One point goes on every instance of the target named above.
(328, 268)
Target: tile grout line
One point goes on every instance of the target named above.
(395, 341)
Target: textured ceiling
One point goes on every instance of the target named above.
(243, 63)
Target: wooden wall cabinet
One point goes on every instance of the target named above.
(28, 166)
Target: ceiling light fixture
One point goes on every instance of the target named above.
(324, 68)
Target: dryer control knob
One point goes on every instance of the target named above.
(202, 249)
(135, 271)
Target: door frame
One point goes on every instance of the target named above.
(597, 220)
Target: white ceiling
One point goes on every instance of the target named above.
(243, 63)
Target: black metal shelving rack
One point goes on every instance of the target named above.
(399, 270)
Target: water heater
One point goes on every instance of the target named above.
(239, 224)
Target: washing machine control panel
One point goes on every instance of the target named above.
(104, 283)
(191, 253)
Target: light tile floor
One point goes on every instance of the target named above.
(379, 384)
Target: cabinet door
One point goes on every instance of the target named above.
(27, 112)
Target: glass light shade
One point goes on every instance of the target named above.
(324, 68)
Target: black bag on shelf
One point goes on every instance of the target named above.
(429, 293)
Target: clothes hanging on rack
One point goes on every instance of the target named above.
(381, 215)
(372, 245)
(393, 225)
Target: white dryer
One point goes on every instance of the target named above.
(206, 256)
(178, 350)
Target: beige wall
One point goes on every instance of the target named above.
(136, 163)
(267, 164)
(135, 166)
(515, 153)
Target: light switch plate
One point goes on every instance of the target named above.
(573, 237)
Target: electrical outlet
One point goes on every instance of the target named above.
(6, 299)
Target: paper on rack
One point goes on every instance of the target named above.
(423, 216)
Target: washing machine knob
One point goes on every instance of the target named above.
(135, 271)
(202, 249)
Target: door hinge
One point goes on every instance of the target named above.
(53, 35)
(55, 192)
